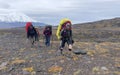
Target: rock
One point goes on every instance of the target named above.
(104, 68)
(62, 61)
(77, 72)
(26, 73)
(75, 58)
(18, 61)
(40, 56)
(116, 72)
(55, 69)
(96, 69)
(3, 65)
(11, 68)
(83, 52)
(28, 69)
(91, 53)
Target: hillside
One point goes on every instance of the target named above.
(102, 44)
(104, 30)
(115, 22)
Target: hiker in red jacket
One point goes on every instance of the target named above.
(31, 32)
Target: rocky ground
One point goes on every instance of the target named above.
(17, 57)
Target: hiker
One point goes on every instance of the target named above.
(64, 33)
(47, 34)
(31, 32)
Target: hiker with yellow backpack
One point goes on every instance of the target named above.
(64, 33)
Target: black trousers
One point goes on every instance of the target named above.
(33, 36)
(64, 41)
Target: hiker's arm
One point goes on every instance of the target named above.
(28, 34)
(71, 33)
(44, 32)
(50, 32)
(61, 34)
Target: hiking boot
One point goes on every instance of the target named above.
(70, 49)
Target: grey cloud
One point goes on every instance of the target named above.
(51, 11)
(4, 5)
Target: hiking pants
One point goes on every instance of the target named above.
(63, 41)
(32, 38)
(47, 40)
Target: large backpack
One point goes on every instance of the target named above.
(28, 24)
(32, 30)
(49, 32)
(63, 24)
(48, 26)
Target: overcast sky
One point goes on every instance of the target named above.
(51, 11)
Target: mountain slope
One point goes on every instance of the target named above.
(115, 22)
(15, 17)
(104, 30)
(4, 25)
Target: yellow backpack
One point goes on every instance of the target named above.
(62, 24)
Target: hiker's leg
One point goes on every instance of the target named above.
(33, 39)
(61, 48)
(36, 37)
(45, 40)
(62, 44)
(30, 40)
(69, 42)
(49, 41)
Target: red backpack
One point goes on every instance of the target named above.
(28, 24)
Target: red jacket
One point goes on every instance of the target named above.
(27, 25)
